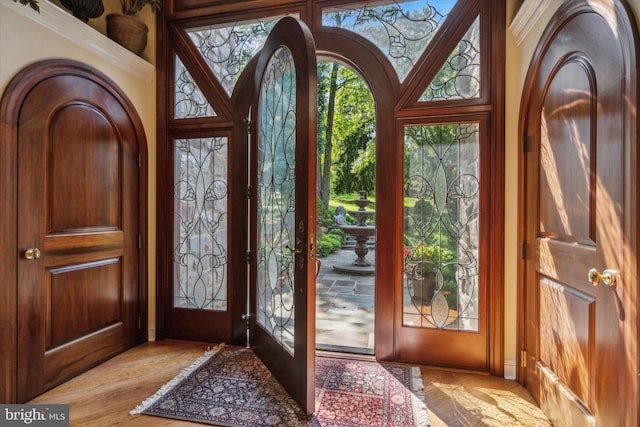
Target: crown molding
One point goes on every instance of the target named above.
(84, 37)
(527, 16)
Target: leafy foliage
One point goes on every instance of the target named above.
(323, 216)
(33, 4)
(131, 7)
(330, 242)
(352, 149)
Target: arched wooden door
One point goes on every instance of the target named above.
(79, 227)
(282, 232)
(580, 268)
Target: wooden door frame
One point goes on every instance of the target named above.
(366, 59)
(375, 69)
(14, 94)
(628, 38)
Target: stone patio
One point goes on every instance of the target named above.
(344, 306)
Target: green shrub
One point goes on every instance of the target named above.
(341, 234)
(328, 244)
(324, 218)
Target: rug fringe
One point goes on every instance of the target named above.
(176, 380)
(419, 399)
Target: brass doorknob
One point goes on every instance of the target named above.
(32, 253)
(608, 277)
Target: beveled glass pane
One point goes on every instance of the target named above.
(442, 199)
(229, 47)
(459, 77)
(276, 198)
(402, 30)
(200, 223)
(189, 101)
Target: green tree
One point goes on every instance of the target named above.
(329, 85)
(354, 142)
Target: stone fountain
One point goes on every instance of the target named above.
(361, 233)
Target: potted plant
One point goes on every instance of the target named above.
(33, 4)
(126, 29)
(84, 9)
(81, 9)
(421, 267)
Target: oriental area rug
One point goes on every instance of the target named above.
(232, 387)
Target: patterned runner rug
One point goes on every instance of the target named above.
(231, 387)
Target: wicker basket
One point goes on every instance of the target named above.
(127, 31)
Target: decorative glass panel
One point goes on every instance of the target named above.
(189, 100)
(402, 30)
(459, 78)
(276, 198)
(442, 198)
(200, 223)
(228, 48)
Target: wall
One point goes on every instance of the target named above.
(27, 36)
(526, 21)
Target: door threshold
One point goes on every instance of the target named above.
(360, 351)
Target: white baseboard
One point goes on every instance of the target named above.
(510, 369)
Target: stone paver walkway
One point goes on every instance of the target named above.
(345, 307)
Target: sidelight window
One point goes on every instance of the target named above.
(441, 226)
(200, 223)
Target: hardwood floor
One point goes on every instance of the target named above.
(104, 395)
(457, 399)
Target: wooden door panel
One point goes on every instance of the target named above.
(64, 362)
(575, 260)
(567, 320)
(83, 299)
(78, 171)
(78, 204)
(566, 153)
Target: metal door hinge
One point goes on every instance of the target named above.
(523, 250)
(249, 192)
(139, 160)
(523, 358)
(248, 256)
(139, 241)
(139, 323)
(247, 318)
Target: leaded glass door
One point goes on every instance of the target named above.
(282, 208)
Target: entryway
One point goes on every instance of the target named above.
(437, 104)
(346, 211)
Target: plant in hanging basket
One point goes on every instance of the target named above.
(126, 29)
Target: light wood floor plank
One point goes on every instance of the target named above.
(104, 395)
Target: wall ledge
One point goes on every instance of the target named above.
(84, 37)
(527, 17)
